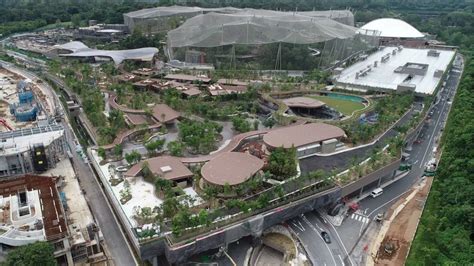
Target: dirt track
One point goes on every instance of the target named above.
(402, 229)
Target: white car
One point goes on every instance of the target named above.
(376, 192)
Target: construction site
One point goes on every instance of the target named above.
(42, 197)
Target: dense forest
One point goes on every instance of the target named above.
(446, 231)
(18, 16)
(445, 234)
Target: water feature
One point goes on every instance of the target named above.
(347, 97)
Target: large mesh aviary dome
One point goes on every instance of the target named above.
(165, 18)
(257, 27)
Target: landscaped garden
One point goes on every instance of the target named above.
(387, 110)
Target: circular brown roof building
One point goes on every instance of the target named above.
(303, 102)
(302, 135)
(232, 168)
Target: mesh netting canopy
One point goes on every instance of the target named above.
(257, 27)
(163, 11)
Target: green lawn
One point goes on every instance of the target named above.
(344, 106)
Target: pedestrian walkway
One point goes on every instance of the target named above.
(360, 218)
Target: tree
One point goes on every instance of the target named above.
(175, 148)
(153, 146)
(201, 137)
(255, 124)
(118, 150)
(227, 189)
(133, 157)
(170, 207)
(282, 162)
(269, 122)
(146, 171)
(444, 234)
(76, 20)
(38, 253)
(241, 124)
(204, 217)
(101, 153)
(163, 184)
(116, 119)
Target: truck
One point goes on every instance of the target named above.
(405, 167)
(430, 168)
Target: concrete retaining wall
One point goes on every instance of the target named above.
(253, 226)
(388, 170)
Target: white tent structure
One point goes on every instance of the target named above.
(79, 49)
(391, 28)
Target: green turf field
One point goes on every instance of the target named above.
(344, 106)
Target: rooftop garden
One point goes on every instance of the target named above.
(131, 98)
(221, 108)
(387, 110)
(199, 137)
(378, 158)
(81, 79)
(346, 107)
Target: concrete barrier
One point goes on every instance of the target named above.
(387, 170)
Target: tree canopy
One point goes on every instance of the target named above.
(201, 137)
(282, 162)
(445, 233)
(38, 253)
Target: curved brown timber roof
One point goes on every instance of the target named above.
(304, 102)
(301, 135)
(231, 167)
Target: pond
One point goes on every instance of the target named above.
(346, 97)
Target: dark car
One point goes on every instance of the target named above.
(326, 237)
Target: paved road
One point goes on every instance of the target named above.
(308, 228)
(352, 227)
(115, 240)
(420, 154)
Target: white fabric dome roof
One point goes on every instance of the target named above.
(390, 27)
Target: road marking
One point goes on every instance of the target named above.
(340, 241)
(365, 211)
(342, 261)
(314, 229)
(302, 227)
(360, 218)
(297, 226)
(379, 207)
(434, 130)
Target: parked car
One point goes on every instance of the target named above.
(122, 168)
(326, 237)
